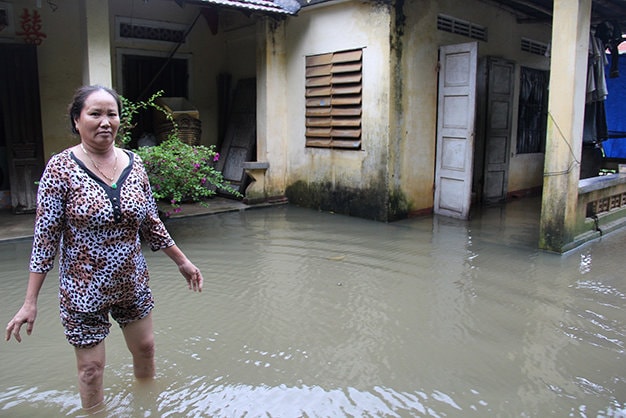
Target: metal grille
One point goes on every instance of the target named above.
(461, 27)
(153, 33)
(534, 47)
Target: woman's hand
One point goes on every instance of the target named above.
(192, 275)
(26, 315)
(190, 272)
(28, 311)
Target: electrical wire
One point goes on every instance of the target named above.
(573, 163)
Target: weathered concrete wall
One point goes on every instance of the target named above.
(413, 149)
(392, 175)
(394, 172)
(419, 66)
(525, 170)
(346, 181)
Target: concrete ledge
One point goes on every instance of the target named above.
(255, 192)
(601, 182)
(591, 224)
(256, 165)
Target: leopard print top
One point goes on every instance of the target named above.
(97, 229)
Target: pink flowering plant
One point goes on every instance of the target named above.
(180, 172)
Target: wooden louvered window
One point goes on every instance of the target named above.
(333, 100)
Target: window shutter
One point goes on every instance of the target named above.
(333, 99)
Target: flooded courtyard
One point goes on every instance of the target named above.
(311, 314)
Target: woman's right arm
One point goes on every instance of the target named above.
(48, 231)
(28, 311)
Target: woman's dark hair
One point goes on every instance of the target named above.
(78, 102)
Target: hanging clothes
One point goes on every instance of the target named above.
(610, 34)
(596, 80)
(595, 129)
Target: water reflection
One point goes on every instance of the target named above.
(314, 314)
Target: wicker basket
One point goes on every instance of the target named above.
(189, 129)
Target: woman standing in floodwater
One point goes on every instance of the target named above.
(94, 201)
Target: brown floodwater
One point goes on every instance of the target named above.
(311, 314)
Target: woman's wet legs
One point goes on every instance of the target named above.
(90, 363)
(139, 337)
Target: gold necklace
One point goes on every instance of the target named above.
(111, 179)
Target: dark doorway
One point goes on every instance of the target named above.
(143, 76)
(21, 133)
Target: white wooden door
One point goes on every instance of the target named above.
(498, 129)
(455, 129)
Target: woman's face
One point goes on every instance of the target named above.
(99, 120)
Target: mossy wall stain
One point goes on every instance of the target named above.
(371, 202)
(553, 234)
(396, 134)
(274, 25)
(399, 206)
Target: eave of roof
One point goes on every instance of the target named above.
(540, 11)
(537, 11)
(272, 7)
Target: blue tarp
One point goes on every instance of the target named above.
(615, 112)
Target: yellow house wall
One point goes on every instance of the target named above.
(419, 93)
(414, 155)
(505, 34)
(399, 101)
(400, 52)
(330, 28)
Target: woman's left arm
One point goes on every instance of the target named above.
(154, 231)
(189, 271)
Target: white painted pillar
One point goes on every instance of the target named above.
(566, 108)
(96, 37)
